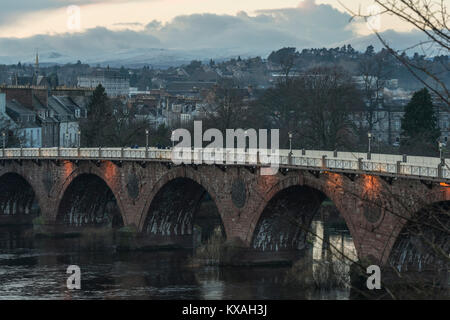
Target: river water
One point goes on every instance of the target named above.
(33, 268)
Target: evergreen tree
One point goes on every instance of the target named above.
(98, 102)
(419, 124)
(123, 72)
(370, 51)
(98, 118)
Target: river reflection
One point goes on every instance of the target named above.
(32, 268)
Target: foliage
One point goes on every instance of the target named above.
(111, 123)
(419, 125)
(315, 107)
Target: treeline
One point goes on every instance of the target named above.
(112, 123)
(350, 59)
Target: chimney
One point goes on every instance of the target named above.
(21, 94)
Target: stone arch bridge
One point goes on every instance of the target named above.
(148, 192)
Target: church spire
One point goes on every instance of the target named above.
(36, 64)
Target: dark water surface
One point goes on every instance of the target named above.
(32, 268)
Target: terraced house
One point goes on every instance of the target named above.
(37, 118)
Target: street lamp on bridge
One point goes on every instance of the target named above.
(369, 155)
(146, 138)
(173, 139)
(79, 138)
(441, 149)
(246, 145)
(66, 141)
(290, 143)
(4, 139)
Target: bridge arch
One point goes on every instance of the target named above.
(88, 201)
(176, 201)
(423, 241)
(290, 193)
(403, 202)
(18, 197)
(102, 177)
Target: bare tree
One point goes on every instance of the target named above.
(431, 18)
(281, 108)
(315, 107)
(124, 129)
(12, 137)
(111, 123)
(327, 97)
(227, 109)
(374, 75)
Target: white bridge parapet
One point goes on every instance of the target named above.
(427, 168)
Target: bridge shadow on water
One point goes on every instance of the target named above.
(33, 267)
(36, 268)
(18, 203)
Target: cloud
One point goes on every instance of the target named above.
(398, 40)
(11, 10)
(305, 26)
(128, 24)
(93, 42)
(223, 31)
(209, 35)
(312, 25)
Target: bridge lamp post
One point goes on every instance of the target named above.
(79, 138)
(290, 143)
(369, 135)
(173, 140)
(441, 147)
(246, 145)
(146, 139)
(4, 139)
(66, 140)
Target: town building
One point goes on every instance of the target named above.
(40, 119)
(388, 114)
(115, 85)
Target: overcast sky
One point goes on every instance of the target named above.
(247, 25)
(23, 18)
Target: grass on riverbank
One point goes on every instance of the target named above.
(217, 251)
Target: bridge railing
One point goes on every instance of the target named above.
(327, 160)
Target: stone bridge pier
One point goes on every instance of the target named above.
(266, 213)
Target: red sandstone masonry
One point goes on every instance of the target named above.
(50, 181)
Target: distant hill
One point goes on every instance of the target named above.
(117, 52)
